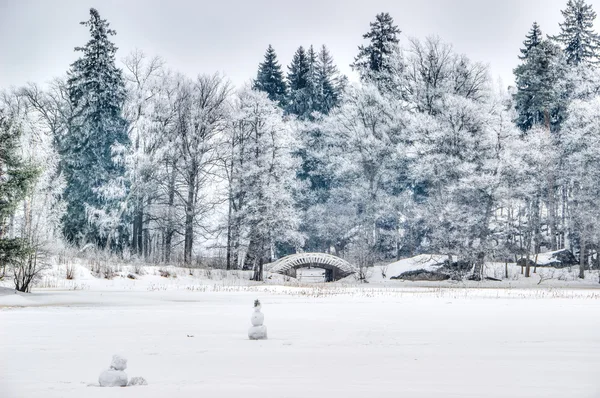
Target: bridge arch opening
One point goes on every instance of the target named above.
(335, 267)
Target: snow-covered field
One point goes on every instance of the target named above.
(334, 340)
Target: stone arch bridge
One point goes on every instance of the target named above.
(335, 268)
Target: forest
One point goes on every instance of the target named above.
(424, 153)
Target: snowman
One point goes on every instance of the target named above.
(115, 376)
(258, 331)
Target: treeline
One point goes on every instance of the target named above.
(424, 154)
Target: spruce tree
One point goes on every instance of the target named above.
(15, 179)
(580, 42)
(270, 78)
(532, 40)
(312, 84)
(298, 75)
(329, 82)
(97, 137)
(375, 57)
(298, 70)
(540, 98)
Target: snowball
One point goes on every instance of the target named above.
(118, 363)
(113, 378)
(257, 333)
(257, 319)
(137, 381)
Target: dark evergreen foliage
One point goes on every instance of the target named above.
(330, 83)
(541, 96)
(532, 40)
(95, 140)
(270, 78)
(580, 42)
(375, 57)
(300, 79)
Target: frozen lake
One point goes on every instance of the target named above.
(413, 343)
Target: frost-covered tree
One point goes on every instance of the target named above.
(16, 179)
(530, 170)
(431, 70)
(269, 78)
(373, 60)
(263, 181)
(148, 137)
(93, 149)
(365, 149)
(49, 112)
(201, 120)
(577, 36)
(580, 145)
(457, 161)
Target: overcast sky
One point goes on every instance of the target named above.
(37, 37)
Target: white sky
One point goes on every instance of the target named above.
(37, 37)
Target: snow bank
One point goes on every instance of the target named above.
(427, 262)
(556, 258)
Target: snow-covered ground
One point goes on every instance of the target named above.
(540, 276)
(329, 340)
(187, 336)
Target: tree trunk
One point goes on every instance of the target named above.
(582, 255)
(252, 252)
(229, 242)
(168, 245)
(551, 196)
(478, 267)
(483, 236)
(169, 231)
(258, 270)
(138, 220)
(563, 241)
(189, 219)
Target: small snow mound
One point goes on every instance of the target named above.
(113, 378)
(118, 363)
(137, 381)
(257, 333)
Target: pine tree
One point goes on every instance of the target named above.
(532, 40)
(270, 78)
(15, 179)
(93, 148)
(375, 58)
(581, 43)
